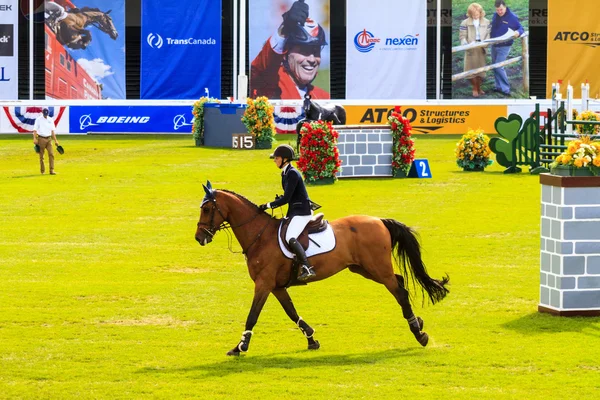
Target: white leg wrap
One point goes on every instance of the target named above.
(302, 330)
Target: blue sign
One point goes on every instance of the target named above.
(131, 119)
(181, 49)
(420, 169)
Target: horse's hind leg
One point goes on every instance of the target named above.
(286, 302)
(397, 289)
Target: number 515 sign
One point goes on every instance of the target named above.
(242, 141)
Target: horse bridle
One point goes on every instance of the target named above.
(212, 230)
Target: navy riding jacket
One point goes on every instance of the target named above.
(294, 193)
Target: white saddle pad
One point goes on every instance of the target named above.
(325, 239)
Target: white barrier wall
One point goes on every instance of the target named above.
(365, 151)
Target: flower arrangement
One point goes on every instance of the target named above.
(403, 152)
(319, 155)
(586, 116)
(473, 151)
(580, 153)
(198, 112)
(259, 121)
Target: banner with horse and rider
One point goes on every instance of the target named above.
(85, 49)
(9, 60)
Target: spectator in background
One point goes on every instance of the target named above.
(43, 133)
(475, 29)
(503, 20)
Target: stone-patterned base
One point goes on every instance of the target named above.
(365, 150)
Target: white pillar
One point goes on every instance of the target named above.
(235, 47)
(438, 51)
(31, 49)
(242, 77)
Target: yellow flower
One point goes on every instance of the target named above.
(596, 161)
(566, 158)
(578, 162)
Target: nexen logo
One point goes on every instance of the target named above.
(407, 40)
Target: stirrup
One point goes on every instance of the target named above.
(306, 274)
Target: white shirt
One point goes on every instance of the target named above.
(44, 126)
(476, 23)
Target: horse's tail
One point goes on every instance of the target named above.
(408, 251)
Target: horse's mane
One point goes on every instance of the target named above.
(239, 196)
(84, 9)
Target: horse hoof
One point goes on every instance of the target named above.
(233, 352)
(421, 323)
(424, 339)
(314, 346)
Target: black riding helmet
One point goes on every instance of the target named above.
(284, 151)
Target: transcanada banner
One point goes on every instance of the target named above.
(181, 49)
(9, 77)
(386, 49)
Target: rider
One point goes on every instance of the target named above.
(299, 209)
(55, 11)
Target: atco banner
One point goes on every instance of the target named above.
(181, 49)
(573, 52)
(289, 53)
(131, 119)
(386, 49)
(431, 119)
(9, 74)
(85, 49)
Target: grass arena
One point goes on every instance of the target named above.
(106, 294)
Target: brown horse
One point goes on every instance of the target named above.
(71, 30)
(364, 245)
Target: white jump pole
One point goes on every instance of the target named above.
(235, 47)
(438, 51)
(569, 107)
(30, 49)
(242, 77)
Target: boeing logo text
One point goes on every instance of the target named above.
(86, 121)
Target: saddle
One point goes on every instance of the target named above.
(317, 224)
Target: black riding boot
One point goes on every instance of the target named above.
(305, 266)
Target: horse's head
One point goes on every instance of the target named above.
(211, 216)
(104, 22)
(307, 105)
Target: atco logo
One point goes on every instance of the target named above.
(154, 41)
(85, 121)
(364, 41)
(586, 38)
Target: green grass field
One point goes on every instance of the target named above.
(104, 294)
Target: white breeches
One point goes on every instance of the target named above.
(297, 225)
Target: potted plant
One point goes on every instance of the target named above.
(585, 129)
(580, 159)
(319, 159)
(473, 151)
(260, 122)
(198, 123)
(403, 152)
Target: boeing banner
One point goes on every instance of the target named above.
(9, 20)
(181, 56)
(131, 119)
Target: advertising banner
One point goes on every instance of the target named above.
(181, 49)
(22, 119)
(85, 49)
(289, 53)
(131, 119)
(9, 57)
(488, 55)
(573, 52)
(386, 51)
(442, 119)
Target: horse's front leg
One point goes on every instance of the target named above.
(286, 302)
(261, 292)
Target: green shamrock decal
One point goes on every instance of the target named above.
(509, 129)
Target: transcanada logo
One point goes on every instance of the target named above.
(156, 41)
(85, 121)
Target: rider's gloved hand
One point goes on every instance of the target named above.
(263, 207)
(296, 15)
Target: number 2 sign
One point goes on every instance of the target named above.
(420, 169)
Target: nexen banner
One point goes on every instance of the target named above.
(131, 119)
(9, 20)
(181, 49)
(386, 51)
